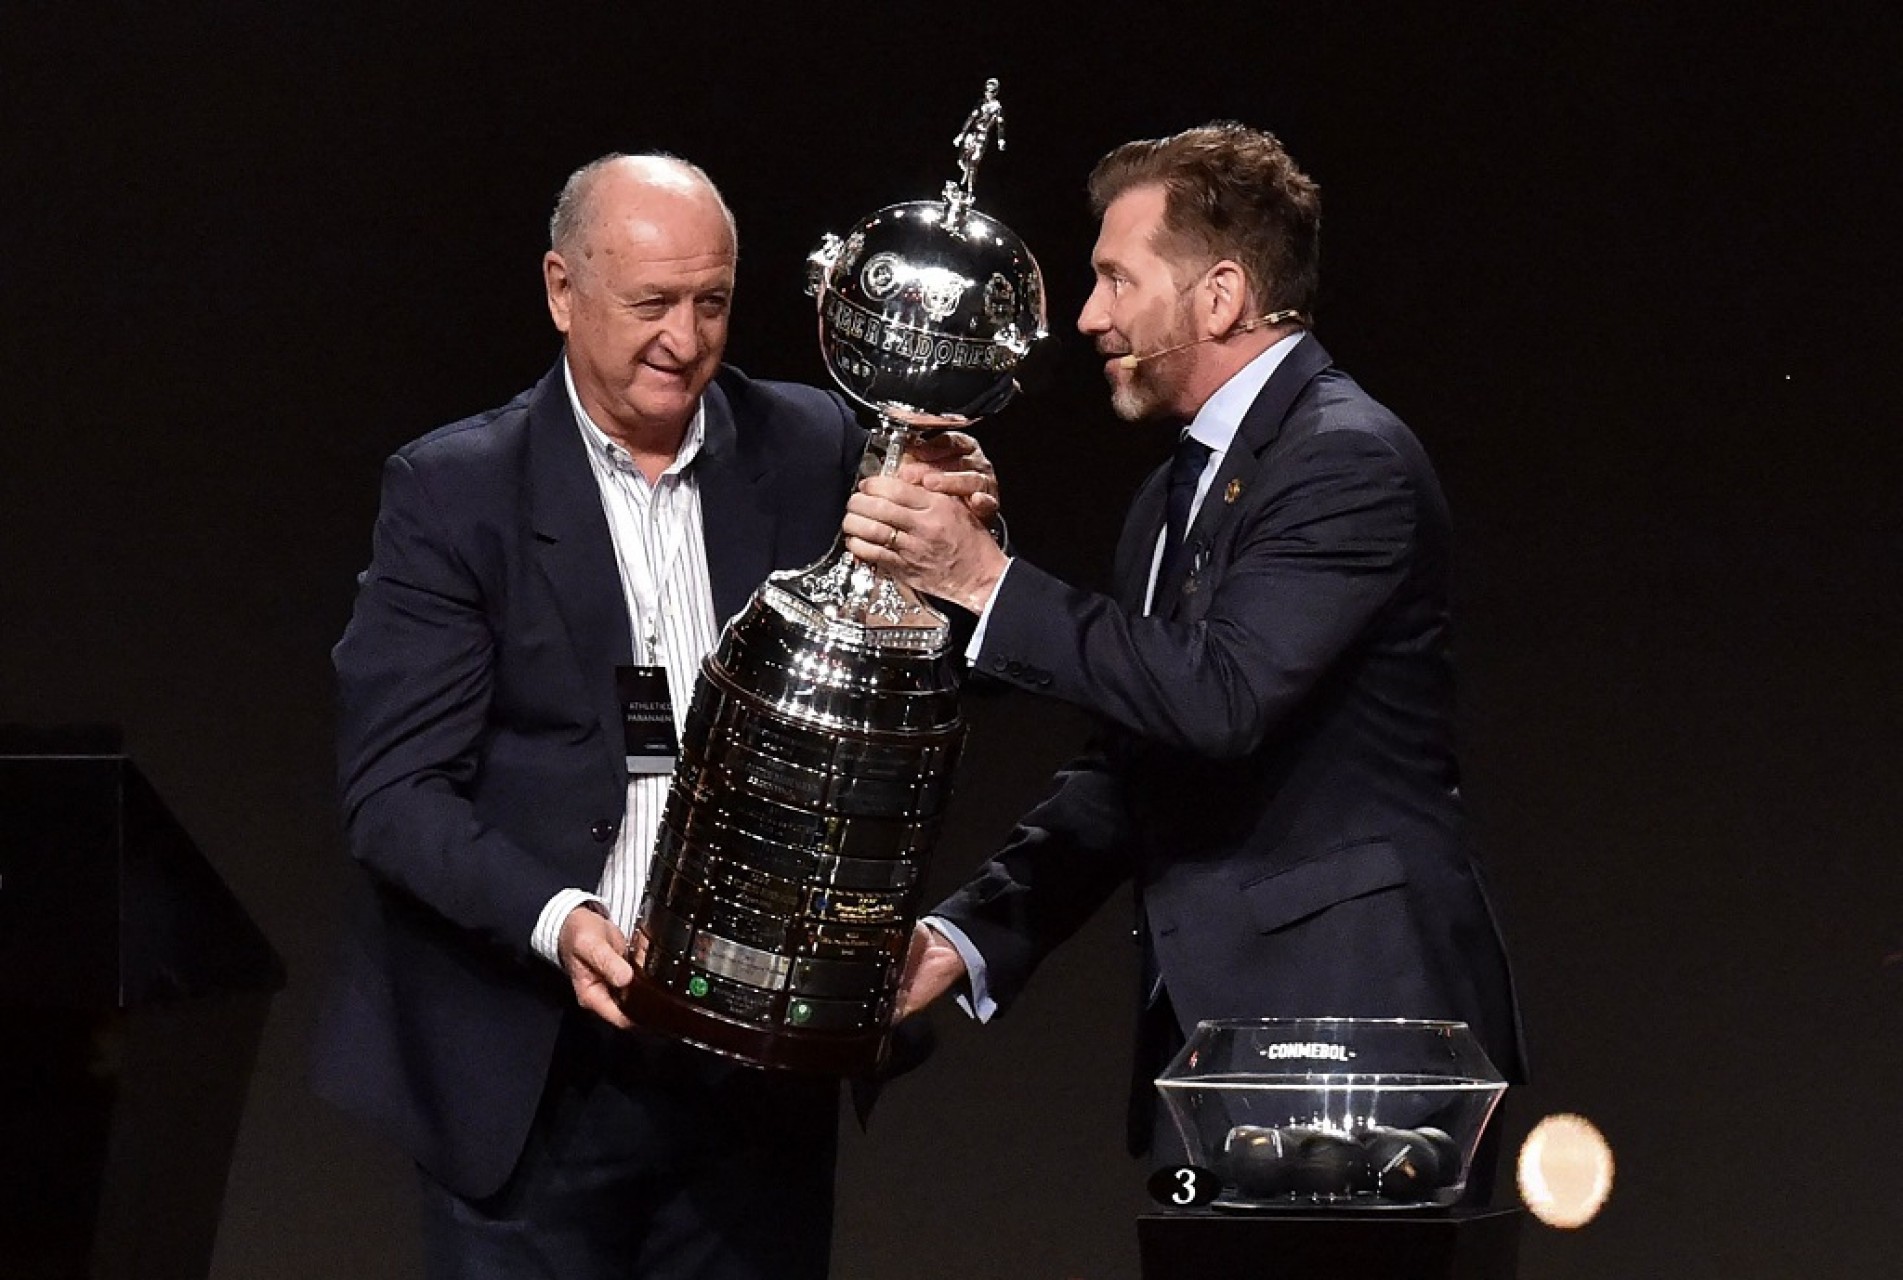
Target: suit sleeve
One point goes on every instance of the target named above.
(415, 671)
(1061, 863)
(1313, 566)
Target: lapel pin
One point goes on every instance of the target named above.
(1233, 492)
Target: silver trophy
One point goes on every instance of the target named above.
(824, 731)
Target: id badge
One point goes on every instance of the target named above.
(647, 719)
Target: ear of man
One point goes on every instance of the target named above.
(559, 287)
(1225, 299)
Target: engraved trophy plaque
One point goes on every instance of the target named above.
(820, 744)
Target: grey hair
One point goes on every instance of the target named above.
(571, 206)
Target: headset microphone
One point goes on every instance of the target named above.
(1274, 317)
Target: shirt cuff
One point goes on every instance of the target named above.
(979, 1003)
(547, 938)
(984, 620)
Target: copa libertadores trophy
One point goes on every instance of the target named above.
(819, 747)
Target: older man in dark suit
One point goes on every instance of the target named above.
(535, 569)
(1276, 768)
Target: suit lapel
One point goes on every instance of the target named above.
(1138, 547)
(1259, 429)
(575, 550)
(737, 524)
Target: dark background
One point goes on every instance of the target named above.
(1629, 271)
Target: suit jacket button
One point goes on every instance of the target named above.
(999, 664)
(603, 832)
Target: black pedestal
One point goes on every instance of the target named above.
(1451, 1244)
(133, 991)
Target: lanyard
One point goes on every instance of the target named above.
(647, 567)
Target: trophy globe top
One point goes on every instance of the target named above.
(927, 308)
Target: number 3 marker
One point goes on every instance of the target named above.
(1184, 1186)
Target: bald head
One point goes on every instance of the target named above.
(615, 185)
(640, 281)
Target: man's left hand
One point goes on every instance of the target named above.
(954, 463)
(932, 967)
(925, 536)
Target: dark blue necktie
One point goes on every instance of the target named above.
(1186, 468)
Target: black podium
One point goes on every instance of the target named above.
(1452, 1244)
(133, 991)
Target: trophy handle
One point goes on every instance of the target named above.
(864, 593)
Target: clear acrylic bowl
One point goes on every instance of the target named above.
(1359, 1113)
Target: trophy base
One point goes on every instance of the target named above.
(654, 1008)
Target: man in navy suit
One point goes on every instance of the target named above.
(533, 569)
(1276, 768)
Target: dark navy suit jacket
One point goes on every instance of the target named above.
(1276, 768)
(480, 745)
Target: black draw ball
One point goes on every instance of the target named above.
(1402, 1165)
(1328, 1164)
(1259, 1161)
